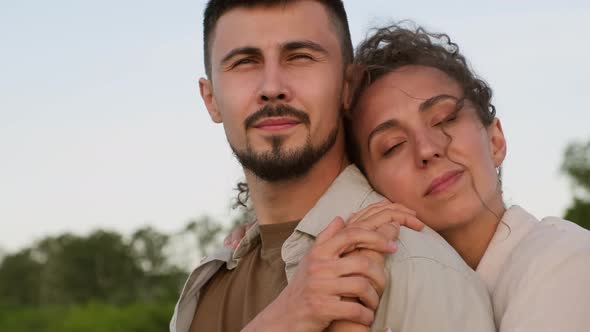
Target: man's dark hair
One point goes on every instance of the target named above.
(216, 8)
(403, 44)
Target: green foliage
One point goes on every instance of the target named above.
(77, 269)
(579, 212)
(99, 282)
(20, 279)
(576, 166)
(206, 232)
(89, 317)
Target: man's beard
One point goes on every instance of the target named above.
(281, 164)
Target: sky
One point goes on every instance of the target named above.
(102, 125)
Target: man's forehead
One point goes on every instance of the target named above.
(272, 26)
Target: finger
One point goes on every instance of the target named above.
(398, 207)
(386, 216)
(353, 287)
(350, 311)
(363, 212)
(238, 235)
(231, 237)
(351, 238)
(378, 207)
(361, 265)
(377, 258)
(336, 225)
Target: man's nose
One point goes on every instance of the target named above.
(273, 87)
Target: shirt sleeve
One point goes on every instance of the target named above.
(425, 295)
(551, 298)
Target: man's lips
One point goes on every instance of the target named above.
(273, 124)
(443, 182)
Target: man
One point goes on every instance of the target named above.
(276, 80)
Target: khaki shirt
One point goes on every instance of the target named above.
(430, 287)
(538, 273)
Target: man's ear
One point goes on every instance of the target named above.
(206, 89)
(351, 80)
(497, 142)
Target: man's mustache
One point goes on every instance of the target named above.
(275, 111)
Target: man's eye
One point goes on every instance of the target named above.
(392, 149)
(300, 56)
(242, 62)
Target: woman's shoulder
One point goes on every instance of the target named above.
(547, 271)
(554, 239)
(552, 246)
(550, 238)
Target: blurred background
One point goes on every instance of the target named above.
(114, 182)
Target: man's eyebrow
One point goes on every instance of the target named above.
(428, 103)
(247, 50)
(299, 44)
(387, 125)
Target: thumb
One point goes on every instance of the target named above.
(337, 224)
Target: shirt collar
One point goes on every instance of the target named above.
(346, 195)
(515, 224)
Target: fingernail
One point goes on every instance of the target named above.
(392, 245)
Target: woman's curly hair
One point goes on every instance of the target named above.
(402, 44)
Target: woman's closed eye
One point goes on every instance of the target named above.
(391, 149)
(447, 119)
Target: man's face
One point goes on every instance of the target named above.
(276, 85)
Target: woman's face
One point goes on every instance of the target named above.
(422, 150)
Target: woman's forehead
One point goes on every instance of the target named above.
(410, 83)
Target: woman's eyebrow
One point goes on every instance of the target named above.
(428, 103)
(386, 125)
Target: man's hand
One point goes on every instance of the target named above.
(313, 298)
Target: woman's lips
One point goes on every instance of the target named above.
(276, 124)
(443, 182)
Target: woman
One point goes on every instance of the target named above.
(423, 130)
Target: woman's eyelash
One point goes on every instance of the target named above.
(392, 149)
(449, 118)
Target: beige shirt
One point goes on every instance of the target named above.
(538, 274)
(430, 287)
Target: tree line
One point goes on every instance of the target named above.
(102, 281)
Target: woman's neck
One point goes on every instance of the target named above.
(472, 238)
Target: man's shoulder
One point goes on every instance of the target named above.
(425, 275)
(428, 247)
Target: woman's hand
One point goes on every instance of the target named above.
(385, 218)
(232, 240)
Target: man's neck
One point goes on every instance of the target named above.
(283, 201)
